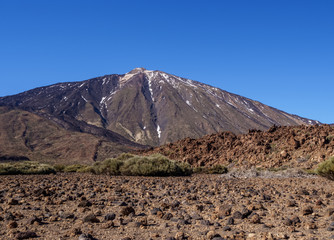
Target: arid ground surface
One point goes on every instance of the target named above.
(232, 206)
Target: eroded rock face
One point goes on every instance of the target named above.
(197, 207)
(299, 146)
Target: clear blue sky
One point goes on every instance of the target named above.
(279, 52)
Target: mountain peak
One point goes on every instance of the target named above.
(137, 70)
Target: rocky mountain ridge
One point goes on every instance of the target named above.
(149, 107)
(285, 146)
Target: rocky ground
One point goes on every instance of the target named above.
(292, 147)
(232, 206)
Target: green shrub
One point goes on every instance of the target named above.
(132, 165)
(74, 168)
(59, 167)
(109, 166)
(26, 167)
(326, 168)
(215, 169)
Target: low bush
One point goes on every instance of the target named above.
(215, 169)
(326, 168)
(59, 167)
(25, 167)
(133, 165)
(74, 168)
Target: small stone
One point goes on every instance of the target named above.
(154, 211)
(85, 203)
(91, 218)
(295, 220)
(26, 235)
(226, 228)
(223, 211)
(135, 224)
(330, 229)
(330, 211)
(35, 220)
(237, 215)
(108, 225)
(311, 226)
(206, 222)
(212, 235)
(291, 203)
(246, 213)
(76, 231)
(110, 216)
(255, 219)
(85, 236)
(288, 222)
(180, 236)
(12, 224)
(307, 211)
(167, 216)
(13, 201)
(230, 221)
(126, 211)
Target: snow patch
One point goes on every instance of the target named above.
(158, 131)
(188, 103)
(102, 100)
(144, 127)
(217, 105)
(104, 81)
(150, 76)
(84, 98)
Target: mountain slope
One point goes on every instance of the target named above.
(150, 107)
(24, 135)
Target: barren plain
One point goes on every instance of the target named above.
(243, 205)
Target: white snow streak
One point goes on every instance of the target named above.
(159, 131)
(102, 100)
(188, 103)
(84, 98)
(149, 76)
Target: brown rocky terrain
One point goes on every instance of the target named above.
(84, 206)
(294, 146)
(27, 136)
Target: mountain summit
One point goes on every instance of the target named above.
(150, 107)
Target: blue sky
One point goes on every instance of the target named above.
(280, 53)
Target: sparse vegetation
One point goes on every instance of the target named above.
(133, 165)
(215, 169)
(26, 167)
(326, 168)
